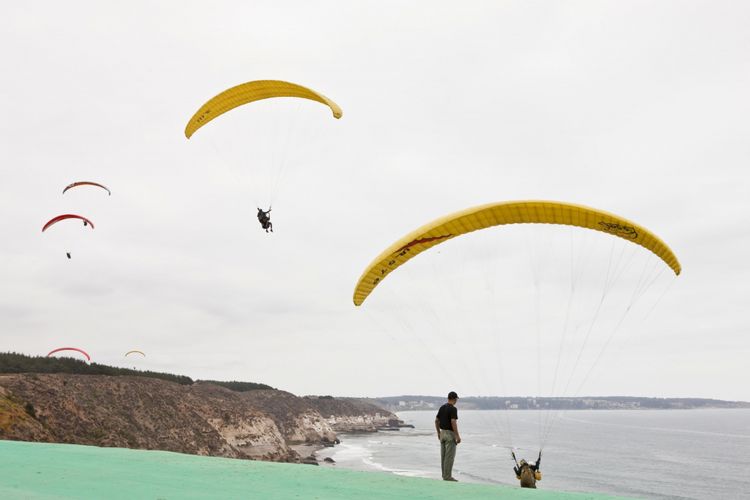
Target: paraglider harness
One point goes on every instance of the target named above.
(534, 468)
(264, 217)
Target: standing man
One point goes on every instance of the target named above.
(446, 425)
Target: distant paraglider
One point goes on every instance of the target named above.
(87, 183)
(55, 220)
(69, 349)
(280, 147)
(135, 352)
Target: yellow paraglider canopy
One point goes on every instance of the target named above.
(136, 352)
(250, 92)
(496, 214)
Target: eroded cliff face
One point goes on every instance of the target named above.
(346, 415)
(361, 423)
(298, 419)
(146, 413)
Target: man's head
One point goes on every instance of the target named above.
(522, 462)
(452, 397)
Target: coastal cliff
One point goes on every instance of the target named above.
(152, 414)
(352, 415)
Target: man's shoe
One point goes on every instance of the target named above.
(451, 479)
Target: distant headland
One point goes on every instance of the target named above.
(415, 403)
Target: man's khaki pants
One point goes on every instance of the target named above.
(447, 452)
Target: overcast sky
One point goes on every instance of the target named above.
(637, 108)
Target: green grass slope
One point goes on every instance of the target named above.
(46, 471)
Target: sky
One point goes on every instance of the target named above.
(637, 108)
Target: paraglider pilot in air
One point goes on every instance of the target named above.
(265, 219)
(526, 473)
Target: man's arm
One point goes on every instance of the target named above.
(437, 426)
(454, 425)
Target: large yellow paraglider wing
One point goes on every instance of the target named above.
(497, 214)
(250, 92)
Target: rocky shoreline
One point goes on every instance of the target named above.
(356, 425)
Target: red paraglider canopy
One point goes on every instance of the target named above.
(69, 349)
(87, 183)
(67, 216)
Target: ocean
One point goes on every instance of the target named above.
(664, 454)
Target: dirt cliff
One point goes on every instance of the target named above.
(147, 413)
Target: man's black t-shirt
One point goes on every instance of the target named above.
(445, 414)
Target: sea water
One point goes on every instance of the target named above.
(691, 454)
